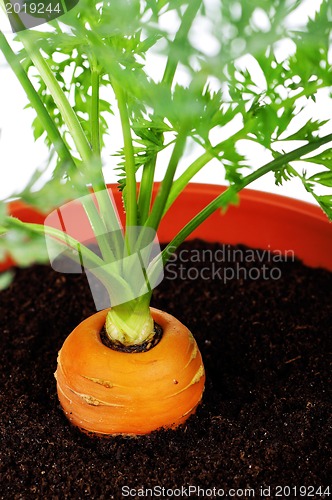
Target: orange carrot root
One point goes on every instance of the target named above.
(108, 392)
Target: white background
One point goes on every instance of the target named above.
(20, 155)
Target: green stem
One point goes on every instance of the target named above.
(63, 5)
(184, 179)
(67, 112)
(145, 190)
(225, 197)
(112, 281)
(130, 166)
(98, 228)
(166, 185)
(180, 38)
(111, 238)
(94, 113)
(56, 234)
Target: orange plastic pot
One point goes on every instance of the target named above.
(262, 220)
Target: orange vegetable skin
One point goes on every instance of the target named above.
(108, 392)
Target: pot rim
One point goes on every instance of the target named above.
(281, 200)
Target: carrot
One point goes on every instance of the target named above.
(108, 392)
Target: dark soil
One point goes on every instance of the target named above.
(266, 414)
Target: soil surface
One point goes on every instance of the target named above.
(265, 420)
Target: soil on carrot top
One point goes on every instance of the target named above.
(266, 413)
